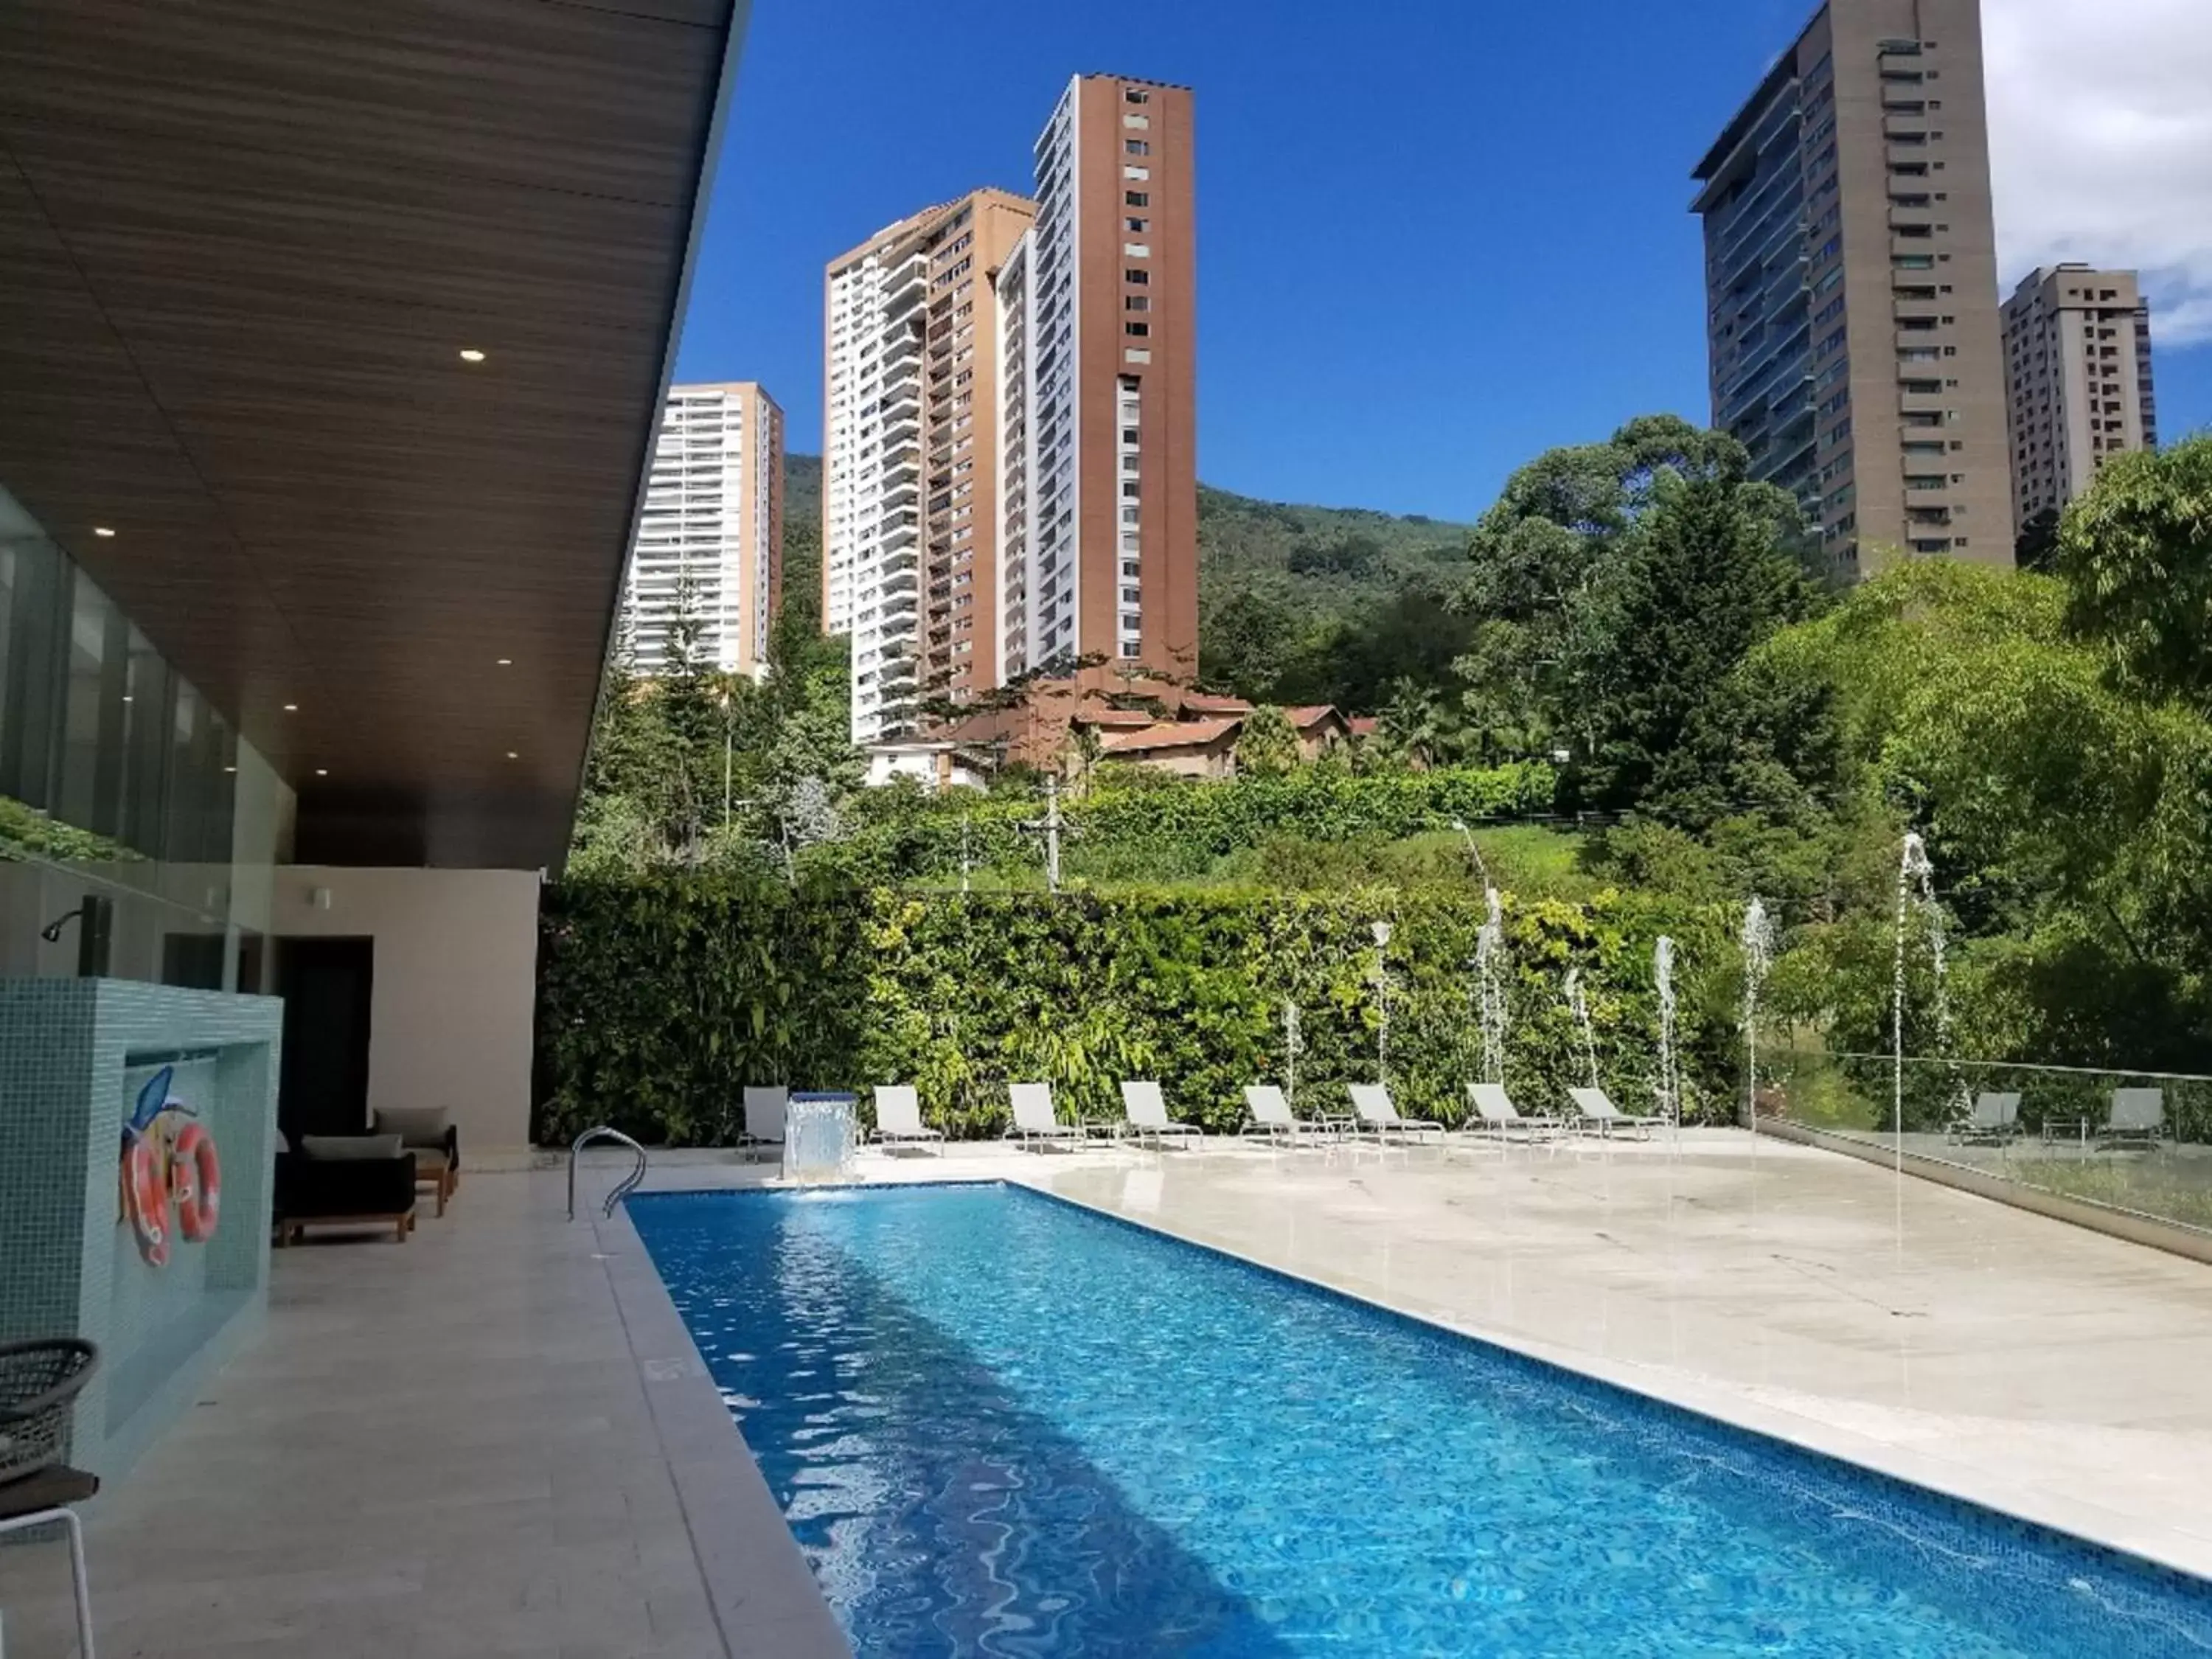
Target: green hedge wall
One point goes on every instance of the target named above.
(895, 838)
(661, 997)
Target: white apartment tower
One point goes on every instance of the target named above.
(2077, 368)
(910, 452)
(713, 519)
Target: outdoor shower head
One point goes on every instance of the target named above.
(51, 932)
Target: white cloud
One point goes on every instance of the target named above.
(2100, 134)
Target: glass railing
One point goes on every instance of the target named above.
(2136, 1142)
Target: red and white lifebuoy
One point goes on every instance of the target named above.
(147, 1199)
(198, 1181)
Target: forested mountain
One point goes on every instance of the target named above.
(1296, 604)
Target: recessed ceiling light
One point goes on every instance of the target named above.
(230, 769)
(507, 662)
(101, 530)
(126, 697)
(470, 354)
(511, 755)
(291, 708)
(322, 771)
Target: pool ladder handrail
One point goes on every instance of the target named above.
(623, 1188)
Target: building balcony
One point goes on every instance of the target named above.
(1909, 128)
(1912, 218)
(1921, 404)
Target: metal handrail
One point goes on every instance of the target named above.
(625, 1187)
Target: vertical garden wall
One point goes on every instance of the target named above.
(662, 996)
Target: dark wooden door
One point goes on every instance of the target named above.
(323, 1089)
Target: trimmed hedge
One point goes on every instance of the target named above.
(894, 838)
(661, 997)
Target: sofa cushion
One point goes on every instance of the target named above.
(351, 1148)
(415, 1126)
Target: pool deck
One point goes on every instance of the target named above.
(497, 1440)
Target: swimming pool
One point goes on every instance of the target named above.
(1000, 1425)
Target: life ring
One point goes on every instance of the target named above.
(147, 1200)
(198, 1179)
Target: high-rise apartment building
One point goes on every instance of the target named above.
(910, 532)
(1098, 314)
(1010, 449)
(713, 522)
(1851, 278)
(2077, 362)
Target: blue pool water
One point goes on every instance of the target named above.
(1002, 1425)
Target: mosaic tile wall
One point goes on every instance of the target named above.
(73, 1055)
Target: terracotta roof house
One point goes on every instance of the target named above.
(1320, 729)
(1190, 749)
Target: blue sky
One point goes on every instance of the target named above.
(1435, 236)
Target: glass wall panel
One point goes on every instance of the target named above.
(121, 790)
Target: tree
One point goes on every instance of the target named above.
(1267, 747)
(1699, 582)
(694, 701)
(1251, 639)
(1554, 582)
(2136, 551)
(2036, 548)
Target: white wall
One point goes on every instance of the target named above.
(455, 987)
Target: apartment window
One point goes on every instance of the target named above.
(1138, 329)
(1129, 490)
(1136, 249)
(1140, 278)
(1135, 95)
(1137, 302)
(1137, 121)
(1132, 514)
(1134, 355)
(1136, 146)
(1136, 198)
(1138, 226)
(1129, 434)
(1137, 175)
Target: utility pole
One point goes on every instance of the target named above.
(1049, 826)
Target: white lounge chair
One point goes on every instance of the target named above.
(1034, 1124)
(2138, 1119)
(898, 1119)
(1594, 1109)
(764, 1114)
(1995, 1121)
(1495, 1112)
(1268, 1113)
(1370, 1101)
(1146, 1108)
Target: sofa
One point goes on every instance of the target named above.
(352, 1181)
(437, 1143)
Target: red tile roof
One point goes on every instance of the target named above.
(1176, 734)
(1310, 714)
(1364, 725)
(1199, 703)
(1094, 714)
